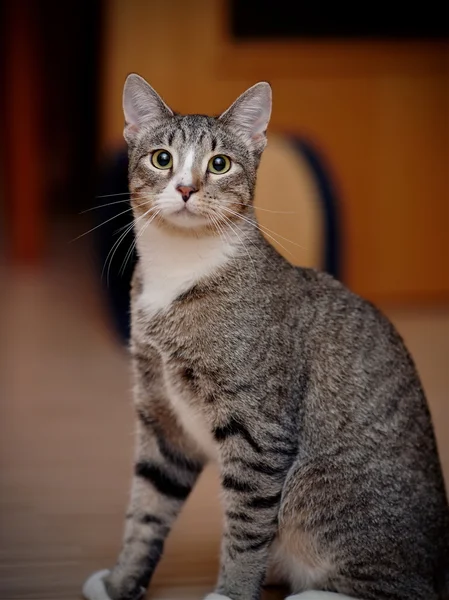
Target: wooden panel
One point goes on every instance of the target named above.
(378, 111)
(331, 58)
(21, 124)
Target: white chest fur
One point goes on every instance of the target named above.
(191, 419)
(170, 265)
(173, 264)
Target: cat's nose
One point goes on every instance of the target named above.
(186, 191)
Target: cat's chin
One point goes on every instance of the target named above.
(185, 221)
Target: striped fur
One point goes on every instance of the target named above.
(302, 392)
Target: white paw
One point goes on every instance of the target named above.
(216, 597)
(94, 588)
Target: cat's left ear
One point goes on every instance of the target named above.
(141, 104)
(250, 114)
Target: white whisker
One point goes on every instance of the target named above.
(101, 224)
(128, 255)
(243, 243)
(117, 243)
(222, 231)
(134, 243)
(103, 205)
(127, 200)
(112, 195)
(128, 193)
(264, 230)
(257, 226)
(226, 220)
(280, 212)
(113, 250)
(215, 223)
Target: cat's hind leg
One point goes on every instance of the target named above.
(276, 575)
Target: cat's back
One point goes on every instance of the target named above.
(367, 442)
(355, 353)
(342, 319)
(364, 390)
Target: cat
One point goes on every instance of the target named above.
(301, 391)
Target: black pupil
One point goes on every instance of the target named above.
(219, 163)
(163, 159)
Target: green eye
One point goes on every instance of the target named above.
(161, 159)
(219, 164)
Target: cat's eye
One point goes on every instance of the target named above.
(219, 164)
(161, 159)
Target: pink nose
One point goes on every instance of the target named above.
(186, 191)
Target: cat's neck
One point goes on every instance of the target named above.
(172, 264)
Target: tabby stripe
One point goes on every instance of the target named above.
(188, 374)
(147, 519)
(247, 536)
(260, 467)
(190, 294)
(145, 418)
(176, 458)
(255, 546)
(233, 427)
(239, 516)
(137, 165)
(170, 453)
(231, 483)
(149, 564)
(286, 451)
(264, 501)
(235, 388)
(164, 483)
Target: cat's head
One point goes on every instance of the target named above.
(188, 172)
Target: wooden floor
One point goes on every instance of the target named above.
(66, 434)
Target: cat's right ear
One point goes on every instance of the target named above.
(141, 104)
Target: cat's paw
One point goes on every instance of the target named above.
(216, 597)
(94, 588)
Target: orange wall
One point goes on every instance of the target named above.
(379, 111)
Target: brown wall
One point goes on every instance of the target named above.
(379, 111)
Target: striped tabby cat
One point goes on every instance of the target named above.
(302, 392)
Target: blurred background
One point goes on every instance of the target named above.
(358, 160)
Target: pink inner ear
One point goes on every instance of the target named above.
(132, 127)
(258, 136)
(258, 124)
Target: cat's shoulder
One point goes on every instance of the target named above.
(320, 286)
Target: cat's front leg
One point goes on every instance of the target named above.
(253, 470)
(163, 478)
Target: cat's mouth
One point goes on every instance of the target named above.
(186, 208)
(186, 216)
